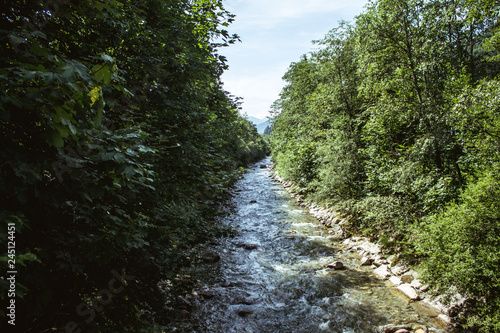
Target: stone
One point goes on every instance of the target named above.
(248, 246)
(395, 328)
(395, 280)
(421, 328)
(334, 236)
(383, 272)
(244, 312)
(210, 257)
(407, 278)
(248, 301)
(409, 291)
(182, 302)
(370, 248)
(393, 260)
(399, 269)
(206, 294)
(365, 261)
(364, 248)
(445, 319)
(336, 265)
(379, 262)
(402, 331)
(263, 166)
(416, 284)
(253, 201)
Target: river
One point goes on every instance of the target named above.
(274, 275)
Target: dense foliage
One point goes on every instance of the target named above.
(394, 121)
(116, 141)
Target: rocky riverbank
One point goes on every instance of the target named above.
(387, 267)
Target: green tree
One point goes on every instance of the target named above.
(116, 141)
(295, 129)
(339, 107)
(393, 120)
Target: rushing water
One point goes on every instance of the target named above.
(274, 275)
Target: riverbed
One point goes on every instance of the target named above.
(274, 275)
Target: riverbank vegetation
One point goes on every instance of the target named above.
(394, 121)
(117, 141)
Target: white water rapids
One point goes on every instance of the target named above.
(274, 275)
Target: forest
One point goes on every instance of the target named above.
(394, 121)
(117, 144)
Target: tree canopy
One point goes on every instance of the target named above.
(393, 120)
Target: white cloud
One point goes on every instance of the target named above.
(272, 12)
(258, 90)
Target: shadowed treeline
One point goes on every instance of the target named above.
(116, 142)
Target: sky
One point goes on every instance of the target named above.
(275, 33)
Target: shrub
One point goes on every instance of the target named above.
(462, 245)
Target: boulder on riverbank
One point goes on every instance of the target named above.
(409, 291)
(383, 272)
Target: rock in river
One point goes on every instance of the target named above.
(210, 257)
(395, 328)
(182, 302)
(336, 265)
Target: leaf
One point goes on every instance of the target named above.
(63, 130)
(70, 125)
(39, 34)
(55, 139)
(73, 70)
(94, 95)
(27, 257)
(100, 112)
(88, 197)
(119, 157)
(130, 171)
(102, 74)
(107, 58)
(128, 92)
(38, 50)
(28, 74)
(48, 77)
(17, 39)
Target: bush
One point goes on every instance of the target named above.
(462, 245)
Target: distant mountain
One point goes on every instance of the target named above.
(256, 120)
(262, 126)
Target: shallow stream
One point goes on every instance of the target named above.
(274, 275)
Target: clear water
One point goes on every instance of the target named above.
(274, 276)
